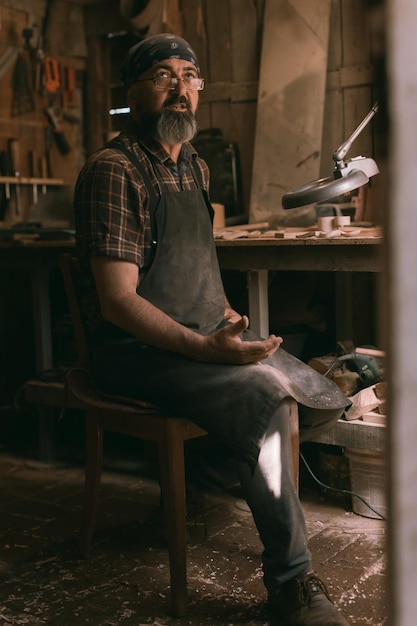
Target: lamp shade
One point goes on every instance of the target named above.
(347, 175)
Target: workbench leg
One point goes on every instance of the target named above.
(258, 301)
(46, 434)
(42, 318)
(344, 308)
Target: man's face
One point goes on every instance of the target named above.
(169, 113)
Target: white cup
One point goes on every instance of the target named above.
(325, 223)
(342, 220)
(219, 215)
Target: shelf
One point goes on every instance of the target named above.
(24, 180)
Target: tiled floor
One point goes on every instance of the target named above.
(125, 581)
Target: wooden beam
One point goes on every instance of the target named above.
(230, 92)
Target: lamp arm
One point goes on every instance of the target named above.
(347, 175)
(341, 152)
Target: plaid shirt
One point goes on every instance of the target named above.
(111, 206)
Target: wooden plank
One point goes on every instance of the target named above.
(349, 81)
(173, 17)
(221, 117)
(355, 32)
(219, 38)
(300, 255)
(228, 91)
(291, 102)
(244, 116)
(356, 75)
(103, 19)
(246, 31)
(195, 32)
(56, 27)
(96, 92)
(204, 116)
(335, 57)
(355, 434)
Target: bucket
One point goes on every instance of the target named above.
(367, 478)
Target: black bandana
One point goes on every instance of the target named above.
(152, 50)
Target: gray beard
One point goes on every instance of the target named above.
(173, 128)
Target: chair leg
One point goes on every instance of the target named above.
(172, 474)
(94, 460)
(295, 440)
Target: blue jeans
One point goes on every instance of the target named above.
(244, 408)
(270, 493)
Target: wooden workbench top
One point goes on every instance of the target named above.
(247, 236)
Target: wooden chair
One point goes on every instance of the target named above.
(146, 421)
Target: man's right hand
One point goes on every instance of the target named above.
(227, 346)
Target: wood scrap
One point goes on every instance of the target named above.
(375, 417)
(366, 400)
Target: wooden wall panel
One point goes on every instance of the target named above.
(246, 35)
(290, 105)
(350, 84)
(347, 72)
(333, 127)
(28, 124)
(355, 33)
(195, 31)
(220, 53)
(226, 36)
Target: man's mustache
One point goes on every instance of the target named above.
(178, 100)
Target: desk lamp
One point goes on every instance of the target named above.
(347, 175)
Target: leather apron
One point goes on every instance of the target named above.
(184, 279)
(232, 402)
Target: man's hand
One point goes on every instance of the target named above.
(226, 345)
(116, 283)
(230, 315)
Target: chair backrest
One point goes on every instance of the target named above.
(71, 274)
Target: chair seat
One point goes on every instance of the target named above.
(139, 418)
(79, 381)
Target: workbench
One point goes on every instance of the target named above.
(254, 255)
(259, 255)
(39, 258)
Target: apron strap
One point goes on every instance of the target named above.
(153, 196)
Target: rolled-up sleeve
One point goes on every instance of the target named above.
(110, 208)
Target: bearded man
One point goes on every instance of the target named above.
(160, 327)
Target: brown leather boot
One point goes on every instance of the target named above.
(305, 601)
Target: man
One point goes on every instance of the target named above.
(162, 329)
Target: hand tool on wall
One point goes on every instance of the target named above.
(44, 172)
(39, 75)
(32, 54)
(58, 132)
(68, 86)
(34, 172)
(52, 82)
(22, 100)
(14, 153)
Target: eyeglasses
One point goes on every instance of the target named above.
(166, 81)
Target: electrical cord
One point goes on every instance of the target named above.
(344, 491)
